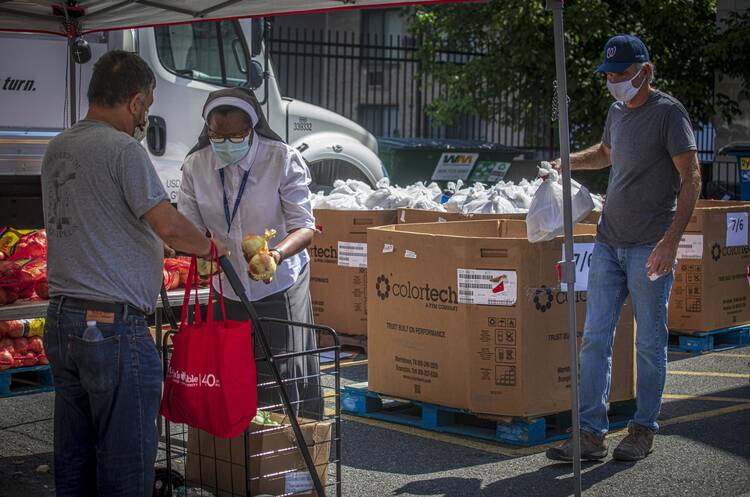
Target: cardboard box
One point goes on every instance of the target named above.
(217, 465)
(338, 285)
(338, 267)
(468, 315)
(408, 216)
(711, 288)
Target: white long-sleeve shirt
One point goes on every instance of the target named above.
(277, 195)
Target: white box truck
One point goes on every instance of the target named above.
(189, 61)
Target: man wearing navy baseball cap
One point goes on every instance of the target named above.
(653, 186)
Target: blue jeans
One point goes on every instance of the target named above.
(107, 397)
(614, 274)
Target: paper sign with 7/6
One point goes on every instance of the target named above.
(582, 253)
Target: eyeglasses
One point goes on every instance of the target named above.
(231, 139)
(237, 138)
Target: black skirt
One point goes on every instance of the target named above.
(301, 375)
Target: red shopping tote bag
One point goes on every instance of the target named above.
(211, 380)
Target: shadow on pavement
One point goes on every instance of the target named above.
(376, 449)
(354, 374)
(554, 480)
(20, 478)
(728, 431)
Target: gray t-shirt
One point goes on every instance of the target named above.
(97, 183)
(643, 183)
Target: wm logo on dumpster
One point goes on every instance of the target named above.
(458, 158)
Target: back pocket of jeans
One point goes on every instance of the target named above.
(98, 362)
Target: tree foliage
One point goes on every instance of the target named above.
(513, 47)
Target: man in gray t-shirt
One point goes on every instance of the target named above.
(99, 184)
(107, 218)
(653, 186)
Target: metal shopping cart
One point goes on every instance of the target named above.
(288, 450)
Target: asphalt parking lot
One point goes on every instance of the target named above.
(703, 449)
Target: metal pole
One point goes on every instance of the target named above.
(72, 82)
(556, 6)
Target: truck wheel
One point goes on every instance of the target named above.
(325, 172)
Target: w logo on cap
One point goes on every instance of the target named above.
(611, 52)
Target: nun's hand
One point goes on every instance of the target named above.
(255, 278)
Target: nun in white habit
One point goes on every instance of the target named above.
(242, 178)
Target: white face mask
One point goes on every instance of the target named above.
(139, 133)
(624, 91)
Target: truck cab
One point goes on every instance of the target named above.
(189, 61)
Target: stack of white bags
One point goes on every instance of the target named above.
(540, 198)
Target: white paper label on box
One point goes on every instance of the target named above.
(454, 166)
(736, 229)
(582, 253)
(298, 482)
(403, 216)
(387, 248)
(410, 255)
(487, 287)
(691, 247)
(352, 254)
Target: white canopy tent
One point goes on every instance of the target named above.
(56, 17)
(74, 18)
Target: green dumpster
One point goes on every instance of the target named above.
(409, 160)
(741, 150)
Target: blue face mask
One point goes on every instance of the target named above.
(231, 152)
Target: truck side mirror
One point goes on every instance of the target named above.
(255, 76)
(256, 36)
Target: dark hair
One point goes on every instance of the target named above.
(118, 75)
(228, 109)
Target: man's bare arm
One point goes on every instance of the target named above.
(178, 232)
(690, 173)
(594, 157)
(665, 252)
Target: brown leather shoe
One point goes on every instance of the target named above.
(638, 444)
(593, 448)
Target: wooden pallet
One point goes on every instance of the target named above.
(25, 381)
(357, 400)
(710, 341)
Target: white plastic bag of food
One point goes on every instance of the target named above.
(545, 218)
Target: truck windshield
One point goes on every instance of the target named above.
(213, 52)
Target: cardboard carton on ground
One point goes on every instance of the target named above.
(468, 315)
(409, 216)
(276, 465)
(711, 288)
(338, 267)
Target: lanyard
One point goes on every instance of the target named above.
(236, 201)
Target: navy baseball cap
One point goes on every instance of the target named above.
(621, 51)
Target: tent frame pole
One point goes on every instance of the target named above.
(568, 265)
(72, 93)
